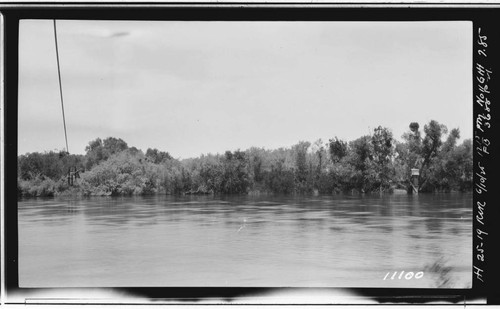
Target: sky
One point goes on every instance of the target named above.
(193, 88)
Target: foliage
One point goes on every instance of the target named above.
(52, 164)
(156, 156)
(443, 166)
(36, 187)
(371, 163)
(123, 173)
(380, 168)
(338, 149)
(100, 150)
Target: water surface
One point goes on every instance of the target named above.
(244, 241)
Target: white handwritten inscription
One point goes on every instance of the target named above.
(482, 42)
(482, 144)
(481, 176)
(483, 76)
(408, 276)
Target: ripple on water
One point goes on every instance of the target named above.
(349, 240)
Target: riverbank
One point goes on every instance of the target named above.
(375, 163)
(50, 188)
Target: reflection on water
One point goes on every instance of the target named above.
(273, 241)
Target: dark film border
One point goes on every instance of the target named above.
(483, 17)
(485, 213)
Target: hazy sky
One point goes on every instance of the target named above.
(198, 87)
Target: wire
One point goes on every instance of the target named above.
(60, 86)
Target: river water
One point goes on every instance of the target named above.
(246, 241)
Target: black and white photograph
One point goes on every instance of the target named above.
(189, 152)
(245, 154)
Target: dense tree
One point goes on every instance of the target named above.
(431, 145)
(380, 167)
(360, 152)
(442, 165)
(337, 149)
(371, 163)
(122, 174)
(234, 179)
(280, 179)
(50, 164)
(451, 140)
(100, 150)
(156, 156)
(319, 161)
(300, 153)
(382, 145)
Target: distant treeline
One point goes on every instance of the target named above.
(371, 163)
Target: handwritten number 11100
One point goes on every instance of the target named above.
(408, 276)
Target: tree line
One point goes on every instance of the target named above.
(370, 163)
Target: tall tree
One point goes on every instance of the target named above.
(421, 153)
(337, 149)
(100, 150)
(382, 153)
(382, 145)
(156, 156)
(430, 147)
(300, 153)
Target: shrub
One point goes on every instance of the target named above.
(124, 173)
(39, 186)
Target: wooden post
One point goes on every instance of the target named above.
(414, 180)
(72, 175)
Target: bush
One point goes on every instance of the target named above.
(39, 186)
(122, 174)
(373, 163)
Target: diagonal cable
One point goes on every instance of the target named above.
(60, 86)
